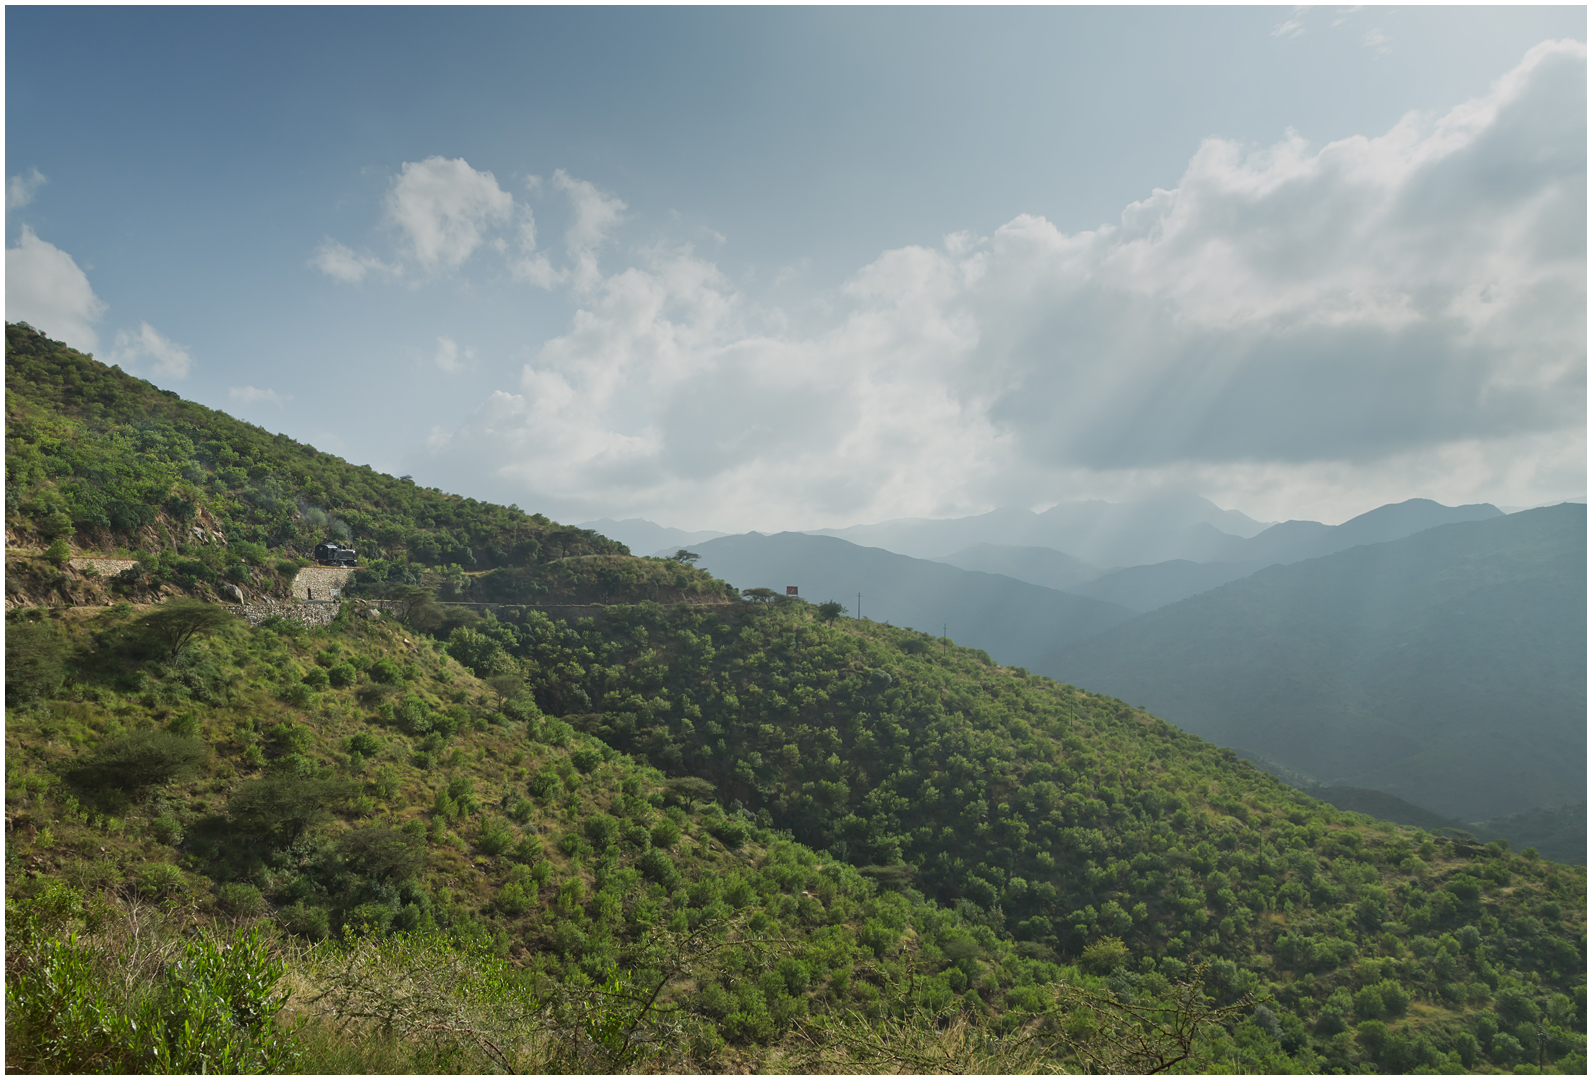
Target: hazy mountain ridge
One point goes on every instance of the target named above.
(1387, 666)
(1015, 622)
(1042, 566)
(642, 536)
(1145, 588)
(1105, 534)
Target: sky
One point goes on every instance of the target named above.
(803, 268)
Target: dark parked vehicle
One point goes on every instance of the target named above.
(331, 553)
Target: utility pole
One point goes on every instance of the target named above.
(859, 605)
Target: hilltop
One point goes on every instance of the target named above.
(613, 816)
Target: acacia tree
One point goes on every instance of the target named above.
(180, 619)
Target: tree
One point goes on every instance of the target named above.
(180, 619)
(505, 687)
(35, 661)
(684, 556)
(417, 607)
(58, 553)
(830, 610)
(759, 595)
(139, 760)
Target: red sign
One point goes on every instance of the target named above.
(790, 590)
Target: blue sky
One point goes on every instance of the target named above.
(745, 268)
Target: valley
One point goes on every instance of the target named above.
(554, 806)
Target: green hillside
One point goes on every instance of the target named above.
(619, 821)
(1447, 668)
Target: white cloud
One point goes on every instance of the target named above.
(247, 395)
(443, 207)
(1308, 329)
(345, 264)
(45, 287)
(21, 189)
(450, 358)
(133, 347)
(1375, 40)
(596, 215)
(1291, 27)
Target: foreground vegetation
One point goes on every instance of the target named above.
(667, 830)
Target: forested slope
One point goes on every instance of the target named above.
(677, 834)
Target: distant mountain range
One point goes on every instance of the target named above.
(1105, 534)
(1036, 565)
(1430, 657)
(1447, 668)
(643, 537)
(1015, 622)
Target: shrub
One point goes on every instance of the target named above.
(586, 758)
(284, 805)
(166, 830)
(139, 760)
(1104, 955)
(601, 830)
(58, 553)
(161, 880)
(665, 834)
(365, 743)
(240, 899)
(385, 671)
(317, 679)
(341, 675)
(211, 1010)
(495, 838)
(659, 867)
(516, 898)
(35, 661)
(305, 920)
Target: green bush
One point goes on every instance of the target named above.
(385, 671)
(142, 759)
(212, 1009)
(586, 758)
(318, 679)
(161, 880)
(58, 553)
(495, 837)
(343, 674)
(240, 899)
(665, 834)
(305, 920)
(601, 830)
(166, 830)
(35, 661)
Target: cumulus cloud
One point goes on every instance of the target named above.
(21, 189)
(450, 358)
(134, 347)
(247, 395)
(596, 215)
(46, 287)
(444, 207)
(343, 263)
(1395, 314)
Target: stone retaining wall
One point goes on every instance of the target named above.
(104, 567)
(320, 582)
(317, 613)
